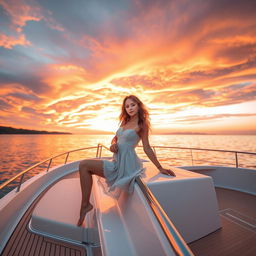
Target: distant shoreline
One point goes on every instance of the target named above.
(11, 130)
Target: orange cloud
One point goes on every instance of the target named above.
(10, 41)
(20, 12)
(181, 60)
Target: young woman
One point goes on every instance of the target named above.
(121, 172)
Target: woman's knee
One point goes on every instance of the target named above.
(83, 165)
(92, 166)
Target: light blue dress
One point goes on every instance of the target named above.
(125, 166)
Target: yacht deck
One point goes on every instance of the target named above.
(238, 233)
(236, 237)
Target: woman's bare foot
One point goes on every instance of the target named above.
(83, 212)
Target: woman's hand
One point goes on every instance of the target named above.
(114, 148)
(166, 171)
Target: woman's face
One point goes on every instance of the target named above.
(131, 107)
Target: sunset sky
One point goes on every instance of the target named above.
(67, 65)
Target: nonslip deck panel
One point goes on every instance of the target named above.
(23, 242)
(233, 238)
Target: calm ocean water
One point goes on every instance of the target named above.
(19, 152)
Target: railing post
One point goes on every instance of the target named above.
(21, 179)
(49, 165)
(66, 158)
(236, 160)
(97, 153)
(100, 151)
(191, 153)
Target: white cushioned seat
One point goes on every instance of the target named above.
(57, 213)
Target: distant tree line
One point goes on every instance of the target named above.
(11, 130)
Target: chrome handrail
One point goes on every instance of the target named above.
(98, 155)
(22, 173)
(206, 149)
(172, 235)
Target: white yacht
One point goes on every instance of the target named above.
(204, 210)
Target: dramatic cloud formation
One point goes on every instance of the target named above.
(67, 66)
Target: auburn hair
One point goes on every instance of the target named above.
(143, 115)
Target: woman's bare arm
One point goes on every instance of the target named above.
(114, 148)
(114, 140)
(151, 155)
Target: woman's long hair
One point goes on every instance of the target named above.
(142, 114)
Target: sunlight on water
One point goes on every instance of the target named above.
(19, 152)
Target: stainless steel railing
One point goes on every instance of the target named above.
(22, 173)
(236, 164)
(172, 235)
(192, 159)
(99, 153)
